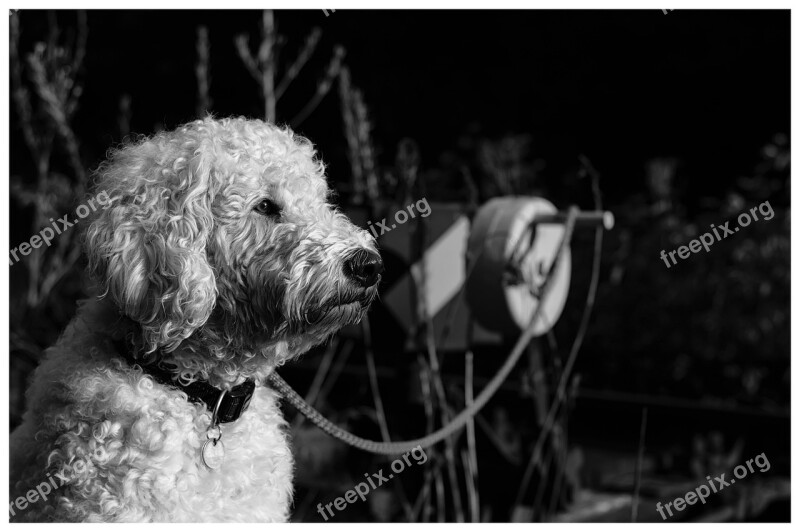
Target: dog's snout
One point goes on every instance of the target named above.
(364, 267)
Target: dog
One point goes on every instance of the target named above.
(217, 258)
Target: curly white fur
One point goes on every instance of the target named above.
(194, 277)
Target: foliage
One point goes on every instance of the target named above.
(716, 325)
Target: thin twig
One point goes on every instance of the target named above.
(471, 460)
(302, 58)
(323, 87)
(78, 55)
(423, 498)
(380, 414)
(124, 116)
(576, 345)
(319, 378)
(433, 359)
(266, 62)
(56, 110)
(427, 403)
(366, 153)
(201, 71)
(639, 461)
(440, 498)
(537, 506)
(59, 271)
(242, 43)
(20, 93)
(373, 380)
(489, 432)
(564, 448)
(351, 135)
(344, 354)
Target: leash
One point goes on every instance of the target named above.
(394, 448)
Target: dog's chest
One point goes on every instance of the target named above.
(126, 448)
(254, 480)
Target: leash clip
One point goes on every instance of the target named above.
(213, 453)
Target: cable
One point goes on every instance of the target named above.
(576, 345)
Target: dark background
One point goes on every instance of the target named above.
(700, 96)
(709, 87)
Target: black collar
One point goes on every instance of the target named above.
(234, 402)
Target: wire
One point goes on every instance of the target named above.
(576, 345)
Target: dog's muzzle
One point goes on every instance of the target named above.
(349, 302)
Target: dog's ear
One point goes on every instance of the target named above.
(147, 248)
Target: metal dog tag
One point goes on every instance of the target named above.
(213, 453)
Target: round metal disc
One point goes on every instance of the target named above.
(213, 453)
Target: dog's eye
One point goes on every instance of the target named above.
(267, 207)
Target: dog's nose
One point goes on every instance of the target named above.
(364, 267)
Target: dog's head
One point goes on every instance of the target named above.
(220, 233)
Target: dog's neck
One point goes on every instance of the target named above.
(203, 356)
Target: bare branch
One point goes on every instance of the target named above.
(363, 130)
(124, 115)
(59, 268)
(55, 109)
(302, 58)
(78, 55)
(267, 63)
(202, 72)
(351, 135)
(19, 92)
(243, 47)
(323, 87)
(80, 42)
